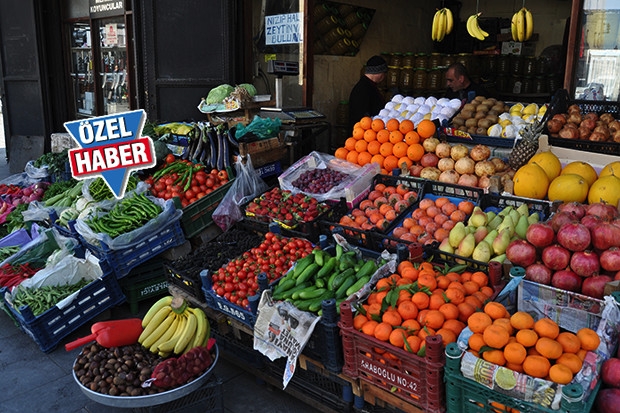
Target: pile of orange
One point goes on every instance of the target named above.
(381, 207)
(432, 220)
(392, 144)
(419, 301)
(538, 348)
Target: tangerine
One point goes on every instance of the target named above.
(406, 126)
(382, 331)
(548, 348)
(390, 162)
(373, 147)
(383, 136)
(569, 341)
(370, 135)
(561, 374)
(572, 361)
(536, 366)
(341, 153)
(400, 149)
(349, 144)
(522, 320)
(494, 356)
(479, 321)
(495, 310)
(476, 341)
(589, 339)
(352, 156)
(415, 151)
(495, 336)
(396, 136)
(386, 149)
(426, 128)
(377, 124)
(366, 122)
(545, 327)
(412, 137)
(515, 353)
(392, 124)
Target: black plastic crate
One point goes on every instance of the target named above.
(453, 135)
(208, 398)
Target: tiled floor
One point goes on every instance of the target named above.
(36, 382)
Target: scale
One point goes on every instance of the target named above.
(282, 68)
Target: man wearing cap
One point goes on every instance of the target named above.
(366, 99)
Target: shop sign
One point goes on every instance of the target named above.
(106, 8)
(111, 34)
(284, 29)
(110, 147)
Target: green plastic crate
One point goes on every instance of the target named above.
(145, 281)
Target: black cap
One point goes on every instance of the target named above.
(376, 64)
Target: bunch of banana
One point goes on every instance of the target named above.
(173, 327)
(522, 25)
(473, 28)
(443, 22)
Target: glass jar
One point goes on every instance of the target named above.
(516, 84)
(405, 79)
(502, 83)
(554, 83)
(408, 60)
(396, 60)
(320, 11)
(435, 60)
(465, 60)
(503, 64)
(326, 24)
(421, 61)
(341, 47)
(346, 9)
(392, 76)
(540, 86)
(447, 60)
(358, 31)
(543, 65)
(516, 65)
(352, 19)
(435, 76)
(489, 64)
(529, 66)
(332, 36)
(527, 84)
(419, 78)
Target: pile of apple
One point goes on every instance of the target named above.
(576, 250)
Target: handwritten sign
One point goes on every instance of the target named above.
(111, 147)
(284, 29)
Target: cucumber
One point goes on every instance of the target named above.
(357, 285)
(348, 273)
(308, 273)
(307, 291)
(339, 251)
(311, 293)
(368, 269)
(283, 285)
(342, 290)
(320, 283)
(301, 265)
(331, 279)
(327, 268)
(289, 293)
(303, 305)
(316, 304)
(319, 257)
(346, 262)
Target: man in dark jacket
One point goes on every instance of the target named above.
(460, 85)
(366, 99)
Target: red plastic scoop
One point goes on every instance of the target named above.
(111, 333)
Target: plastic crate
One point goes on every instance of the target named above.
(208, 398)
(222, 305)
(48, 329)
(498, 202)
(452, 135)
(270, 169)
(610, 148)
(467, 396)
(143, 282)
(199, 215)
(124, 260)
(62, 176)
(184, 282)
(236, 344)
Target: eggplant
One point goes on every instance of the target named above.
(231, 138)
(198, 150)
(212, 136)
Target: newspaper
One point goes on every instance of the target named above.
(282, 330)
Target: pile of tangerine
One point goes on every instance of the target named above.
(391, 144)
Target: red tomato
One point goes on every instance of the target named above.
(170, 158)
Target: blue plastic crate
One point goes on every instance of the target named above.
(49, 328)
(222, 305)
(124, 260)
(270, 169)
(497, 202)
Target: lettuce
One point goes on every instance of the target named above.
(218, 93)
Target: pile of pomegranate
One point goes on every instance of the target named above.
(577, 250)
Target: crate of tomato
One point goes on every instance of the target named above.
(195, 189)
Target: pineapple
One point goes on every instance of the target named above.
(525, 147)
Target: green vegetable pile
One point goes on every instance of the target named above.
(55, 161)
(6, 252)
(127, 215)
(43, 298)
(100, 191)
(14, 220)
(58, 187)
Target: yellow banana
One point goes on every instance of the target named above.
(441, 31)
(435, 26)
(159, 331)
(474, 29)
(449, 21)
(164, 301)
(520, 25)
(168, 346)
(529, 25)
(187, 335)
(154, 348)
(202, 329)
(154, 322)
(513, 27)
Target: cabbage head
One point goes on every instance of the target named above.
(219, 93)
(250, 88)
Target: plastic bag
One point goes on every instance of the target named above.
(263, 128)
(21, 179)
(34, 172)
(246, 186)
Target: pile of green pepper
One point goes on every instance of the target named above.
(43, 298)
(127, 215)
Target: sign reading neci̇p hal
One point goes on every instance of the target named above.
(111, 147)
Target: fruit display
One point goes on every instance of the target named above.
(319, 180)
(418, 108)
(486, 235)
(577, 250)
(320, 276)
(576, 125)
(522, 25)
(237, 279)
(443, 23)
(608, 398)
(477, 116)
(284, 207)
(171, 326)
(473, 27)
(537, 348)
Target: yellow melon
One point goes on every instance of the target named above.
(531, 181)
(605, 189)
(549, 162)
(568, 188)
(582, 169)
(612, 168)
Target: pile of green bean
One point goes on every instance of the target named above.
(43, 298)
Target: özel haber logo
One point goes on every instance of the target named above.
(111, 147)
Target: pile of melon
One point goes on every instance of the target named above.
(544, 177)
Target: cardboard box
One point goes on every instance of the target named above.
(261, 145)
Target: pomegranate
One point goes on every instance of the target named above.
(561, 218)
(610, 372)
(556, 257)
(595, 286)
(574, 236)
(608, 400)
(590, 221)
(540, 234)
(575, 208)
(566, 280)
(604, 211)
(538, 273)
(585, 263)
(521, 253)
(429, 159)
(605, 236)
(415, 169)
(610, 259)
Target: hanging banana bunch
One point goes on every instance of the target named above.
(474, 29)
(443, 22)
(522, 25)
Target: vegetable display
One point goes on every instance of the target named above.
(237, 280)
(55, 161)
(43, 298)
(127, 215)
(12, 275)
(285, 207)
(100, 191)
